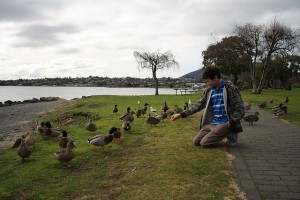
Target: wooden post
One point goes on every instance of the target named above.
(176, 90)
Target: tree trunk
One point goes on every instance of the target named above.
(235, 79)
(254, 86)
(156, 82)
(260, 84)
(270, 84)
(253, 78)
(263, 75)
(284, 84)
(262, 78)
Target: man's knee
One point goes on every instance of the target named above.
(196, 142)
(206, 144)
(203, 144)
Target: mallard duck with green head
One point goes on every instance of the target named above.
(116, 133)
(50, 131)
(100, 140)
(276, 108)
(280, 113)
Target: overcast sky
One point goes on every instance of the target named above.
(79, 38)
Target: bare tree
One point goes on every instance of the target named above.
(251, 36)
(155, 61)
(277, 39)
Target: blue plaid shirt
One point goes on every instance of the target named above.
(217, 102)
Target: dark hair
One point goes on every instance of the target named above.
(211, 72)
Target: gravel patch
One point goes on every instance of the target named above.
(16, 120)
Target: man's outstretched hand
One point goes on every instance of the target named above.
(175, 117)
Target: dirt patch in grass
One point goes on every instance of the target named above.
(76, 118)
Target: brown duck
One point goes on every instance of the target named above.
(144, 110)
(177, 109)
(152, 120)
(127, 125)
(248, 107)
(115, 110)
(262, 105)
(170, 113)
(17, 143)
(162, 116)
(30, 140)
(40, 127)
(128, 116)
(66, 155)
(23, 151)
(138, 112)
(165, 107)
(186, 106)
(91, 127)
(252, 118)
(64, 140)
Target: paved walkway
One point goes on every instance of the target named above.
(267, 160)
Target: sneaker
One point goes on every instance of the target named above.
(231, 143)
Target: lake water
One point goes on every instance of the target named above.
(20, 93)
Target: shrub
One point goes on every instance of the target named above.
(295, 85)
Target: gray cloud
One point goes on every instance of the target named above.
(83, 66)
(220, 16)
(43, 35)
(84, 35)
(20, 10)
(69, 51)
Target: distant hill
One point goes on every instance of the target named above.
(195, 74)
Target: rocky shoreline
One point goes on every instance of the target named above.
(34, 100)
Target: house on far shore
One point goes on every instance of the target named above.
(198, 86)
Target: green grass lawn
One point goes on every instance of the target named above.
(293, 113)
(150, 162)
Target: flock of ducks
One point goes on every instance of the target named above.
(26, 144)
(279, 110)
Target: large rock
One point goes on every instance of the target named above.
(46, 99)
(8, 102)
